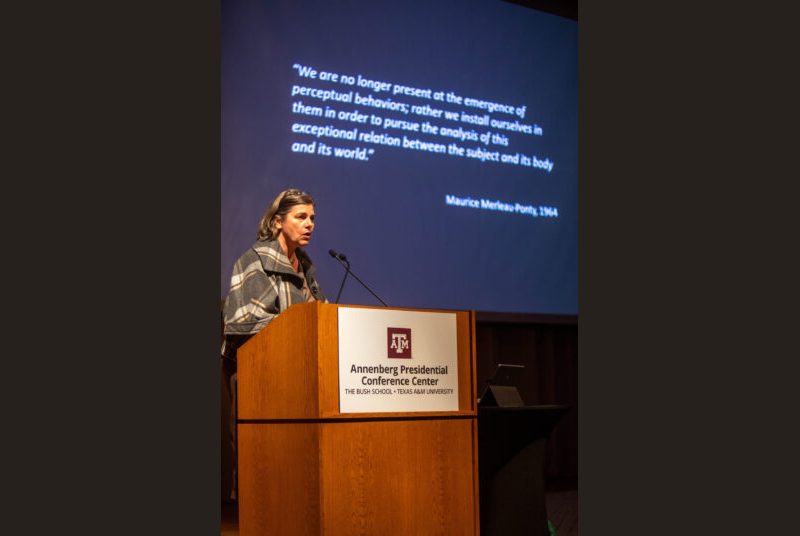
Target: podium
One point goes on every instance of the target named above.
(311, 464)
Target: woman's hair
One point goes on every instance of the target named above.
(279, 208)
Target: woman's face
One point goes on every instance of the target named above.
(297, 225)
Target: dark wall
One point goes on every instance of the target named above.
(549, 351)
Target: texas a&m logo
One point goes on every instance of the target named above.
(399, 342)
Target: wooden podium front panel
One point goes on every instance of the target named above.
(399, 477)
(278, 369)
(279, 479)
(328, 359)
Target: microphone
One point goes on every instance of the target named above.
(337, 256)
(342, 258)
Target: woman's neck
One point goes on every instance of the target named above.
(289, 251)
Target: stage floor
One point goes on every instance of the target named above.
(562, 511)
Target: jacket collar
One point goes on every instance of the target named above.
(273, 259)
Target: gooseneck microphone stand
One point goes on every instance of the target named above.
(346, 264)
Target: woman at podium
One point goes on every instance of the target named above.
(271, 275)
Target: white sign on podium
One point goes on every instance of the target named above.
(397, 361)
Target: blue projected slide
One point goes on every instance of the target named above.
(438, 138)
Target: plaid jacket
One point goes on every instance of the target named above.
(263, 285)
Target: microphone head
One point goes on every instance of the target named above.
(335, 255)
